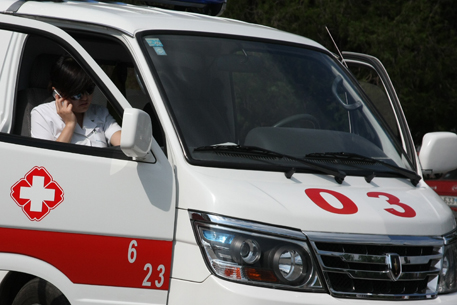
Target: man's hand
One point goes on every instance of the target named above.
(64, 110)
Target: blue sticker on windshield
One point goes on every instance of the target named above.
(154, 42)
(160, 51)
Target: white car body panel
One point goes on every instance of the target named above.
(142, 18)
(227, 292)
(279, 198)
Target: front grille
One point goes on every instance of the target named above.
(379, 267)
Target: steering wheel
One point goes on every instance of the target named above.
(298, 117)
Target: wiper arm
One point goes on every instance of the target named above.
(337, 174)
(414, 178)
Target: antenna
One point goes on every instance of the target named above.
(336, 46)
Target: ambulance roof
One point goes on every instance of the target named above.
(132, 19)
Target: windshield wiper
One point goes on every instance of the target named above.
(337, 174)
(414, 178)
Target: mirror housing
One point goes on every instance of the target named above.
(136, 137)
(438, 153)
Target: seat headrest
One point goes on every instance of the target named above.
(40, 73)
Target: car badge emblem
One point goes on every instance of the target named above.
(393, 262)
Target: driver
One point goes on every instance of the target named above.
(72, 118)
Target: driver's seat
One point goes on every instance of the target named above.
(36, 93)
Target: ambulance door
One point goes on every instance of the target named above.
(375, 81)
(91, 221)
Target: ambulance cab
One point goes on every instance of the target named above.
(255, 167)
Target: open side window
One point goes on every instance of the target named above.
(120, 67)
(43, 45)
(39, 56)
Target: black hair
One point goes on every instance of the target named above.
(69, 78)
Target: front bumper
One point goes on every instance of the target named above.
(221, 292)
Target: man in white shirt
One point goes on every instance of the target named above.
(71, 118)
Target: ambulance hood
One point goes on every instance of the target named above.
(391, 206)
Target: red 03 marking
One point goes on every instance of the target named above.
(408, 211)
(349, 207)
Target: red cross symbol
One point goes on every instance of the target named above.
(37, 193)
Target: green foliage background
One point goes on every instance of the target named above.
(416, 41)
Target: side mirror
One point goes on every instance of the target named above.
(438, 153)
(136, 138)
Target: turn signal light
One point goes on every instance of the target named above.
(261, 275)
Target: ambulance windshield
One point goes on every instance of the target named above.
(288, 99)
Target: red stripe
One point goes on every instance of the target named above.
(94, 259)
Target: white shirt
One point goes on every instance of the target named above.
(97, 130)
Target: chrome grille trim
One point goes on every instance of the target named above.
(360, 266)
(380, 259)
(384, 275)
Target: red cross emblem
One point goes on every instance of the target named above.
(37, 193)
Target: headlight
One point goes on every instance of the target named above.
(256, 254)
(448, 274)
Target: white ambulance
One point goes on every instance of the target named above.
(271, 175)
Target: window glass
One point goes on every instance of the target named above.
(34, 90)
(374, 88)
(291, 100)
(118, 64)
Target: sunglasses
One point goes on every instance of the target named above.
(89, 90)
